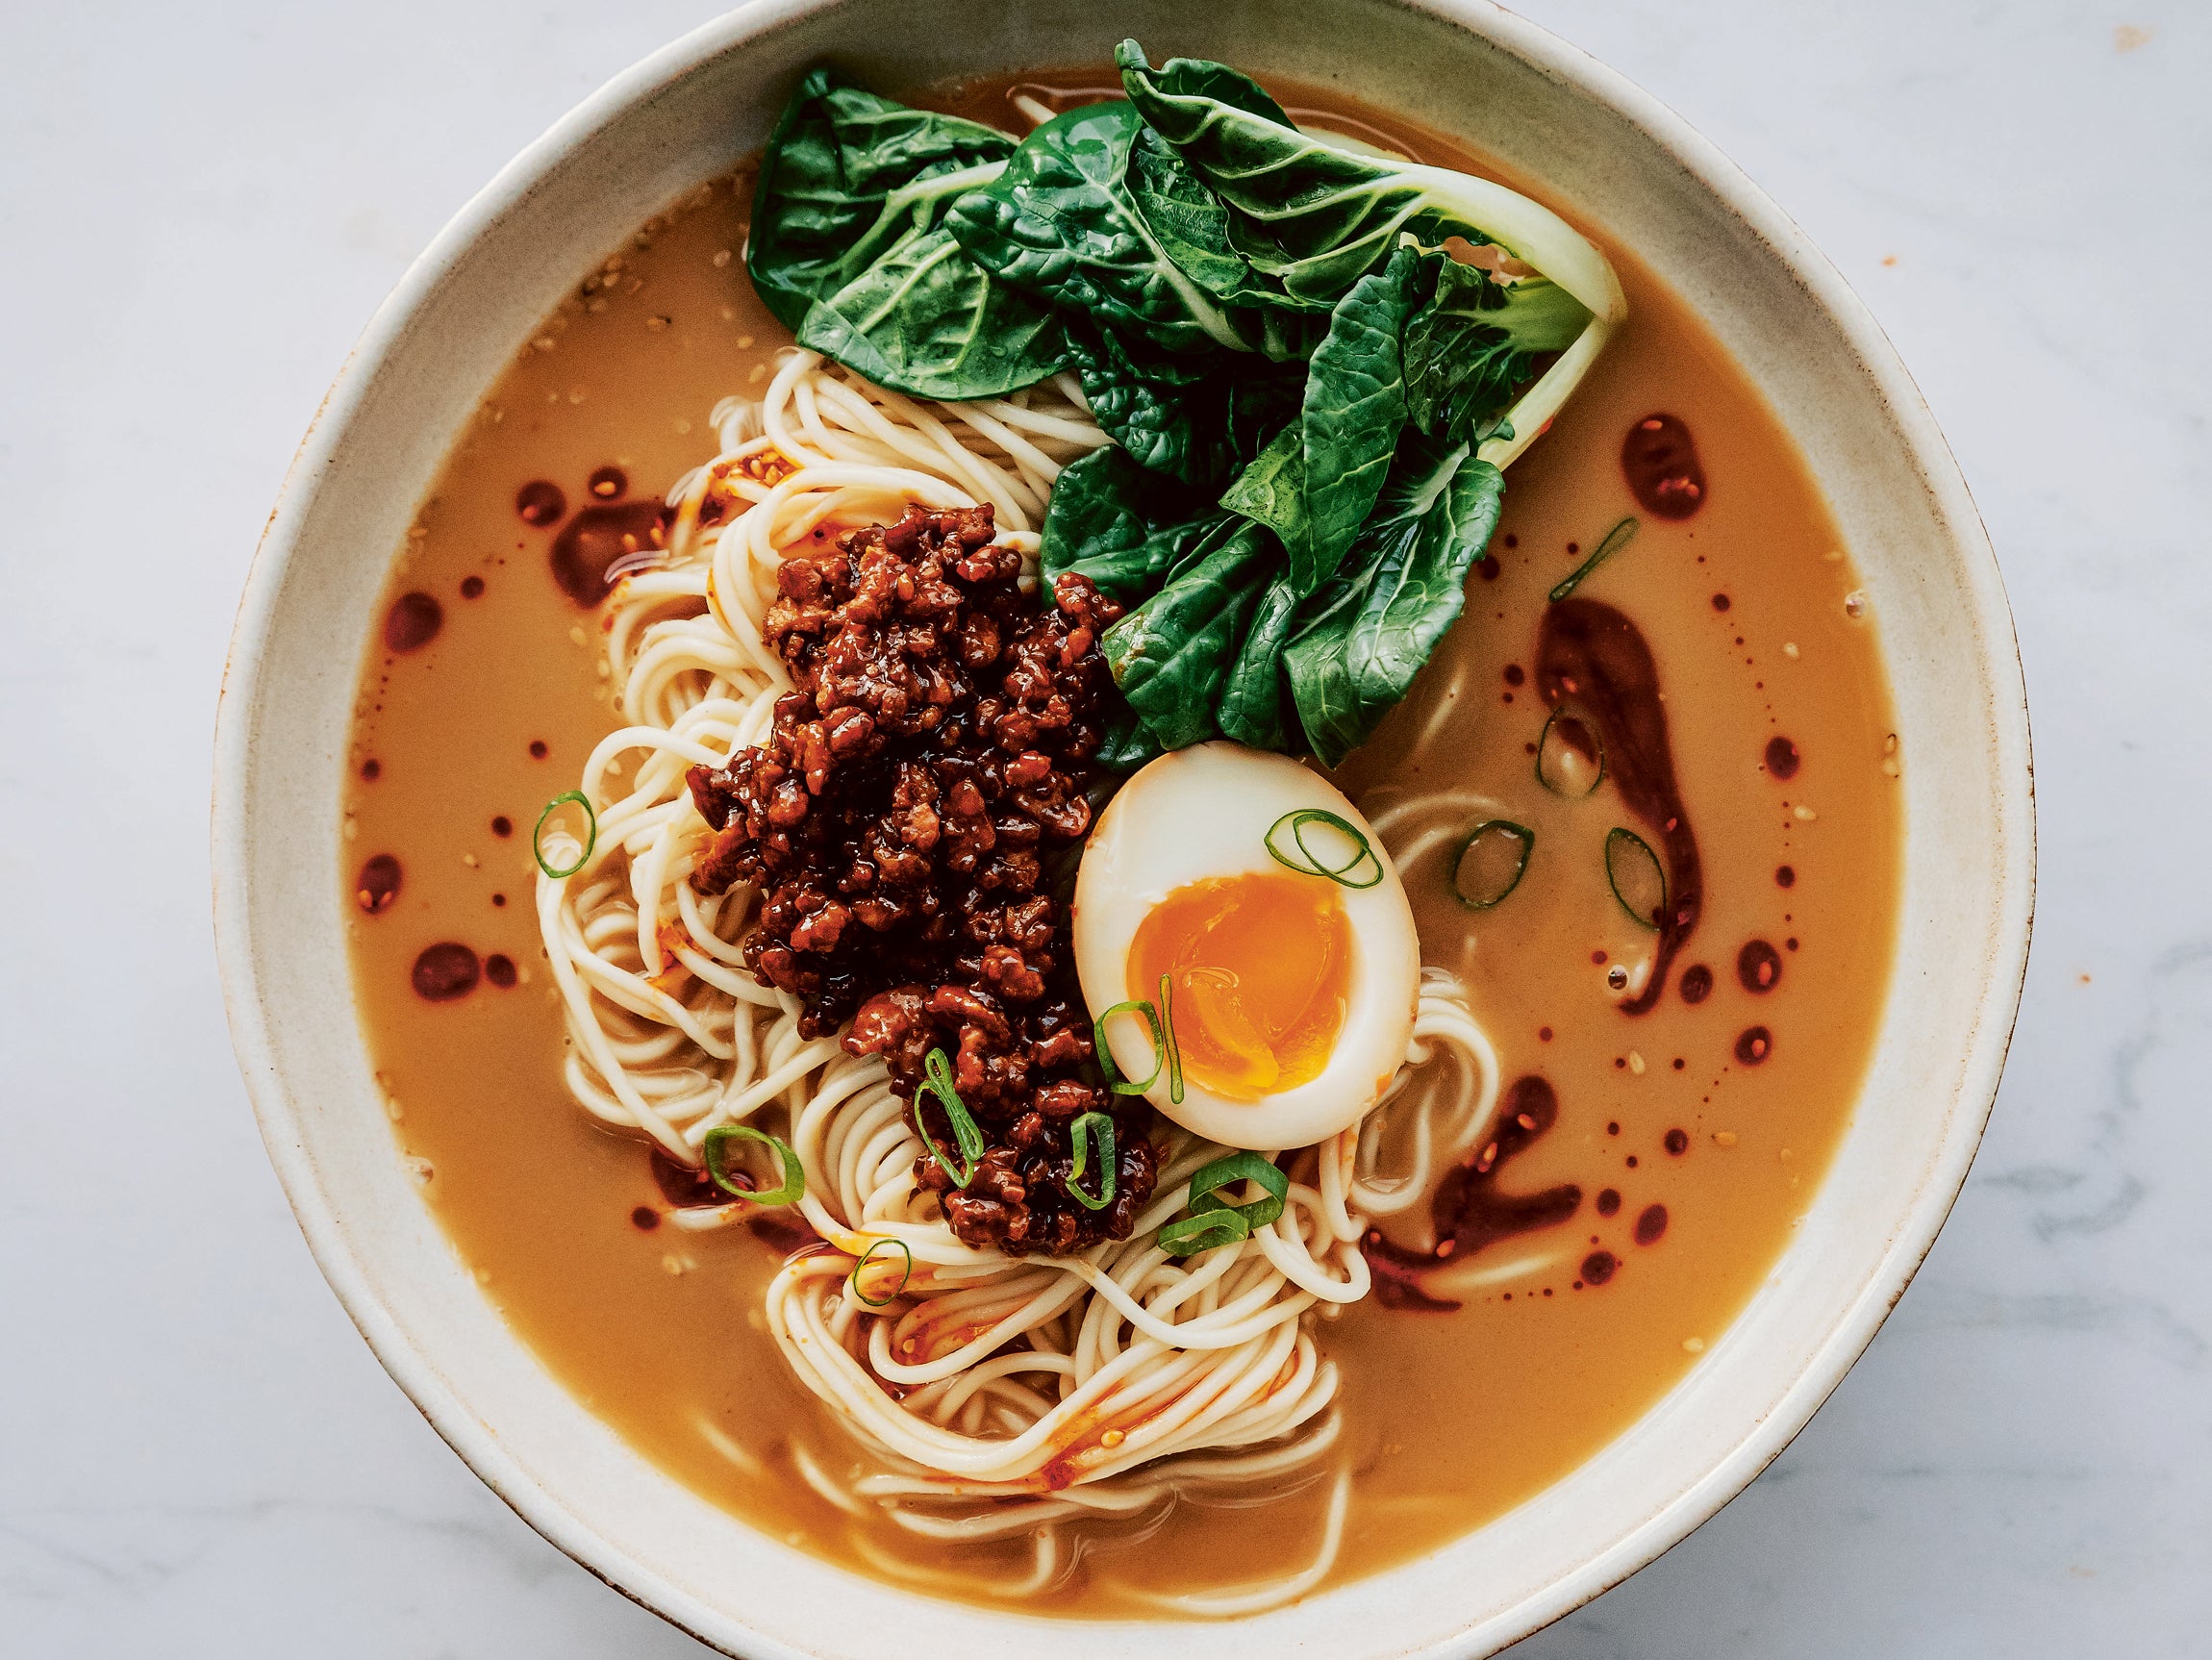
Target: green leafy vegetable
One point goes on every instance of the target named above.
(1061, 221)
(1120, 525)
(1475, 344)
(1355, 406)
(1171, 654)
(844, 177)
(1163, 410)
(926, 319)
(1369, 630)
(1310, 219)
(1316, 219)
(1254, 700)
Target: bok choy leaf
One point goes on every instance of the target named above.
(844, 177)
(1171, 654)
(1061, 222)
(1311, 219)
(1363, 637)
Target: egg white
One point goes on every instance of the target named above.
(1204, 812)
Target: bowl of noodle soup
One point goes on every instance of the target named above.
(911, 1410)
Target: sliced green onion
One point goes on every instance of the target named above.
(1165, 1050)
(966, 1135)
(717, 1150)
(1174, 1045)
(1207, 1183)
(1570, 756)
(868, 1256)
(1119, 1085)
(1638, 880)
(1202, 1230)
(1616, 538)
(590, 833)
(1089, 1130)
(1491, 863)
(1351, 872)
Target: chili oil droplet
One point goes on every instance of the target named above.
(1758, 966)
(540, 502)
(445, 971)
(413, 622)
(378, 885)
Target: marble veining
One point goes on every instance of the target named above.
(197, 1454)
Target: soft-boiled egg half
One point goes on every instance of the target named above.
(1290, 989)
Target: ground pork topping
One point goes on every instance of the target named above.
(923, 784)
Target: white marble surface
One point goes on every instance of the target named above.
(202, 204)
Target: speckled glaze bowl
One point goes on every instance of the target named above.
(1588, 140)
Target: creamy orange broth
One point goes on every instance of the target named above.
(1451, 1418)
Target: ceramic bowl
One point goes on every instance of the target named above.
(1588, 140)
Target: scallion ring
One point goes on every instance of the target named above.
(1207, 1183)
(1202, 1230)
(966, 1134)
(1093, 1130)
(1362, 869)
(716, 1151)
(590, 833)
(1570, 756)
(1491, 863)
(1616, 538)
(852, 1279)
(1114, 1081)
(1175, 1049)
(1639, 881)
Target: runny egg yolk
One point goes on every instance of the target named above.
(1259, 966)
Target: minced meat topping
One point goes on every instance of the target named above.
(903, 823)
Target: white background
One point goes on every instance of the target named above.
(202, 204)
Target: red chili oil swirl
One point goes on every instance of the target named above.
(599, 536)
(1660, 457)
(1590, 655)
(1468, 1210)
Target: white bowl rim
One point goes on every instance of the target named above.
(277, 1112)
